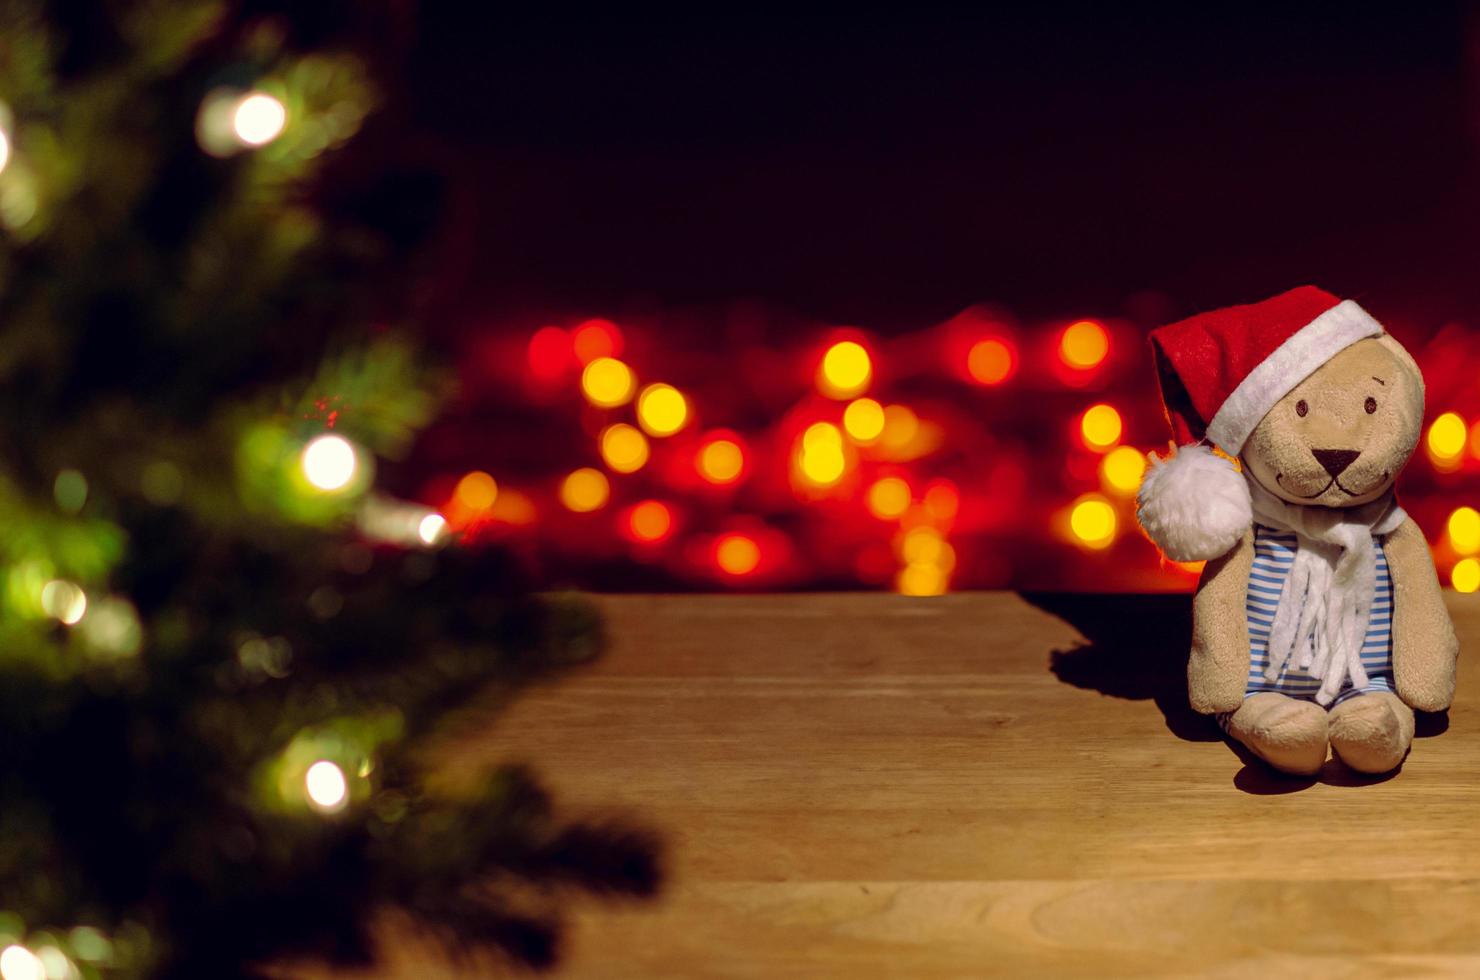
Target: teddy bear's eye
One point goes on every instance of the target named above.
(1301, 408)
(1371, 405)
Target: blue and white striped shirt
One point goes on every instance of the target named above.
(1274, 553)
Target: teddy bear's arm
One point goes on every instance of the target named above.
(1218, 669)
(1424, 645)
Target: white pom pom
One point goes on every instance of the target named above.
(1194, 505)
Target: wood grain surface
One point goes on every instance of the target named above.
(978, 785)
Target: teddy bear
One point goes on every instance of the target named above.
(1318, 621)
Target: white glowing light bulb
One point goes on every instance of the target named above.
(431, 529)
(64, 601)
(327, 789)
(259, 119)
(4, 149)
(329, 462)
(19, 963)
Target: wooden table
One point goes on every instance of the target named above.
(981, 785)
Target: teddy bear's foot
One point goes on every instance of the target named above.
(1286, 733)
(1372, 732)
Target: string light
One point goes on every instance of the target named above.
(1122, 469)
(477, 491)
(623, 448)
(888, 498)
(991, 361)
(607, 382)
(1464, 530)
(1093, 521)
(721, 461)
(845, 370)
(259, 119)
(19, 963)
(326, 786)
(1465, 576)
(1083, 345)
(737, 554)
(329, 462)
(863, 420)
(585, 490)
(1100, 427)
(661, 410)
(649, 521)
(1446, 440)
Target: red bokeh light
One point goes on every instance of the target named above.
(550, 353)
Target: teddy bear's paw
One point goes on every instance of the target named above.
(1371, 732)
(1286, 733)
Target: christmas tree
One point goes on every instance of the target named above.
(222, 651)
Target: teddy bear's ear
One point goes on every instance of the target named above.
(1194, 505)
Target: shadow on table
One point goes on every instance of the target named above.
(1137, 649)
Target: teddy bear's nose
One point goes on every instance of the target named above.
(1335, 460)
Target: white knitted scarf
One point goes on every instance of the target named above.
(1321, 620)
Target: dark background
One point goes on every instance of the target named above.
(890, 168)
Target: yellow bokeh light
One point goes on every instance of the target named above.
(662, 409)
(1465, 577)
(823, 466)
(1447, 436)
(19, 963)
(623, 448)
(845, 370)
(1093, 522)
(888, 498)
(259, 119)
(476, 491)
(1122, 469)
(921, 580)
(64, 601)
(1464, 530)
(4, 150)
(1084, 344)
(326, 786)
(901, 425)
(922, 546)
(823, 436)
(1100, 426)
(737, 554)
(721, 461)
(329, 462)
(607, 382)
(585, 490)
(864, 420)
(821, 458)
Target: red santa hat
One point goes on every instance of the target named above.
(1220, 374)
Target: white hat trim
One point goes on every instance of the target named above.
(1291, 363)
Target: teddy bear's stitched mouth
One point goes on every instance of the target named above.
(1279, 478)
